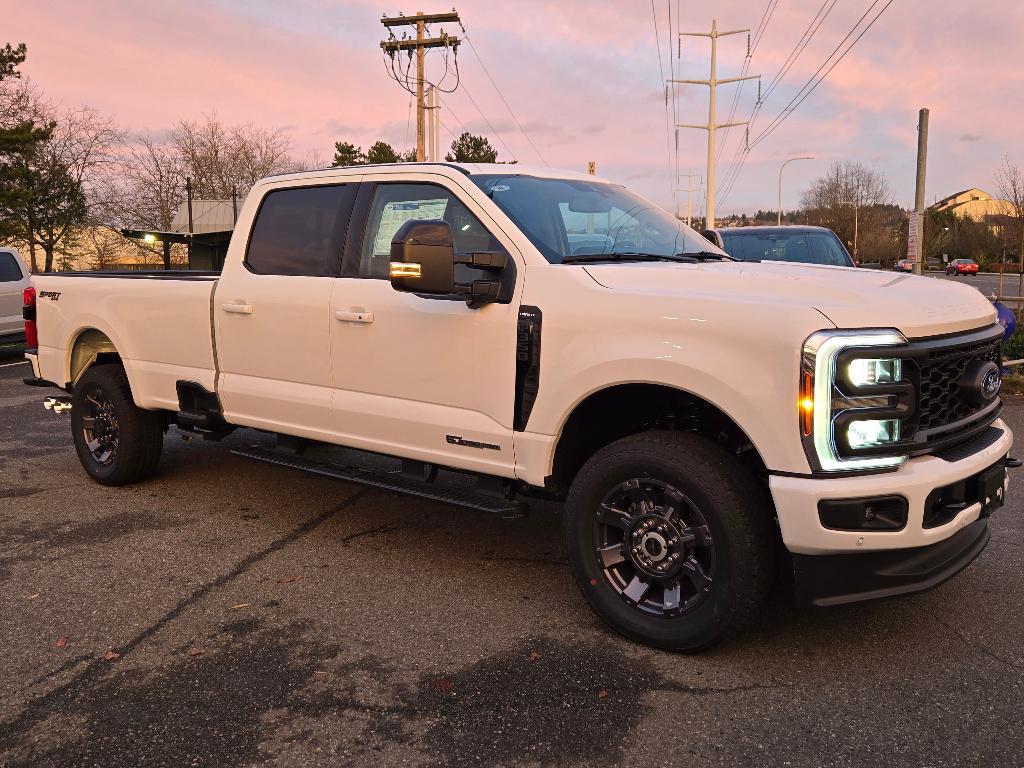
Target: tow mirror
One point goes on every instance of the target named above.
(423, 261)
(423, 258)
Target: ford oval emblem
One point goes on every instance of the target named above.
(980, 383)
(991, 383)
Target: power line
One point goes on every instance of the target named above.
(739, 156)
(668, 118)
(488, 122)
(501, 96)
(788, 110)
(814, 81)
(674, 151)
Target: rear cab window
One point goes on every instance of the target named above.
(10, 270)
(301, 231)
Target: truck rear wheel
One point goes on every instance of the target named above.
(117, 442)
(670, 540)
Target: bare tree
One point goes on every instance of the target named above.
(854, 201)
(81, 156)
(222, 159)
(152, 185)
(1010, 186)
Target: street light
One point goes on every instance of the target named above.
(787, 162)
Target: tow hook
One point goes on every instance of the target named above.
(1011, 463)
(57, 404)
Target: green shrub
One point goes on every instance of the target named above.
(1013, 348)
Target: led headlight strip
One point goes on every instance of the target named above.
(819, 360)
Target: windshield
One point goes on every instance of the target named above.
(801, 246)
(568, 218)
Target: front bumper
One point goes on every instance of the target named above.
(834, 579)
(839, 566)
(796, 501)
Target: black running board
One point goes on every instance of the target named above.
(388, 481)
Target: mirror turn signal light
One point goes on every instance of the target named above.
(405, 269)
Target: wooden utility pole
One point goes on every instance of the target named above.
(419, 46)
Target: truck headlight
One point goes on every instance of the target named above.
(852, 397)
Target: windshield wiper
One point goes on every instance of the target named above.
(683, 258)
(708, 256)
(626, 256)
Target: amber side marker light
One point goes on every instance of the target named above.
(405, 269)
(806, 404)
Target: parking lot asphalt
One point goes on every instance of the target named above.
(986, 282)
(227, 613)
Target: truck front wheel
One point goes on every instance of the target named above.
(670, 540)
(117, 442)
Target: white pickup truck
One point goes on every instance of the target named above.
(704, 420)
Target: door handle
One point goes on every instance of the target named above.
(354, 316)
(238, 309)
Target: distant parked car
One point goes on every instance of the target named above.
(904, 265)
(799, 244)
(962, 267)
(13, 281)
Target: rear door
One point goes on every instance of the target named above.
(12, 283)
(272, 311)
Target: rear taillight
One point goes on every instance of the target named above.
(28, 311)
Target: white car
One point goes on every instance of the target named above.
(14, 280)
(558, 336)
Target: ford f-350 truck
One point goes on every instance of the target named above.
(558, 336)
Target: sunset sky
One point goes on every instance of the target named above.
(582, 77)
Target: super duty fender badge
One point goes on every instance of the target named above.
(456, 440)
(51, 295)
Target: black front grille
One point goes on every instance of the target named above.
(941, 403)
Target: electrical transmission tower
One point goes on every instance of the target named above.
(418, 47)
(713, 82)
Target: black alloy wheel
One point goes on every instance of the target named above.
(99, 426)
(654, 547)
(117, 442)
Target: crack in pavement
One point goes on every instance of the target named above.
(386, 528)
(984, 650)
(34, 710)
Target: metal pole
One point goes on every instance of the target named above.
(188, 194)
(856, 227)
(712, 108)
(437, 125)
(919, 201)
(778, 219)
(234, 206)
(713, 82)
(420, 124)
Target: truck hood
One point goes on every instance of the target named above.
(849, 297)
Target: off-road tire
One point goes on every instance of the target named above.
(736, 509)
(140, 433)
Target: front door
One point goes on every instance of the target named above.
(273, 311)
(424, 378)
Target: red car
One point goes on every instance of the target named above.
(962, 267)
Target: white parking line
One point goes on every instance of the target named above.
(8, 365)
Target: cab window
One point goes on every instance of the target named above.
(301, 231)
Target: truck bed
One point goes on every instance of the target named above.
(159, 322)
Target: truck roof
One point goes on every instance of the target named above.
(469, 169)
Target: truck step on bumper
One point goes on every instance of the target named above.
(396, 482)
(849, 578)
